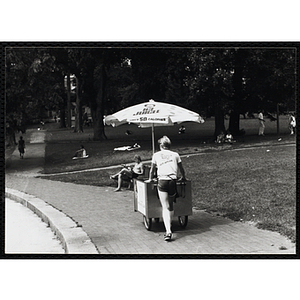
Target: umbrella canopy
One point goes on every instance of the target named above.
(150, 114)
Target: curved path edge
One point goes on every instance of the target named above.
(74, 240)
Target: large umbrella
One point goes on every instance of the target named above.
(150, 114)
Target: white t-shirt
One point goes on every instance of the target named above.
(167, 164)
(293, 121)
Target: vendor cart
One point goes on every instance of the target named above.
(146, 201)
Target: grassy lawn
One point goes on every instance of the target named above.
(243, 181)
(253, 185)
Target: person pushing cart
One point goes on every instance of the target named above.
(167, 163)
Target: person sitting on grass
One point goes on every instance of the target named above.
(228, 137)
(128, 173)
(80, 153)
(220, 138)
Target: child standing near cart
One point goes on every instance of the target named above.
(167, 163)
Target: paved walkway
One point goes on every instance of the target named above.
(25, 233)
(108, 218)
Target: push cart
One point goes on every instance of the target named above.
(146, 201)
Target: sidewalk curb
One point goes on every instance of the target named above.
(74, 240)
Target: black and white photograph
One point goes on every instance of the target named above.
(151, 149)
(145, 144)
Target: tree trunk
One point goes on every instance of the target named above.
(69, 122)
(62, 115)
(10, 137)
(234, 123)
(97, 110)
(219, 121)
(277, 108)
(78, 115)
(237, 83)
(99, 133)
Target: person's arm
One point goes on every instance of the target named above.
(141, 168)
(151, 172)
(181, 169)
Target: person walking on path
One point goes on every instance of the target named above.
(167, 163)
(21, 147)
(261, 124)
(292, 123)
(127, 173)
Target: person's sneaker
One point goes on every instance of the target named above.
(168, 237)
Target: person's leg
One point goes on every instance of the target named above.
(261, 130)
(166, 213)
(115, 176)
(126, 172)
(119, 183)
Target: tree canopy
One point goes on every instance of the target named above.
(215, 81)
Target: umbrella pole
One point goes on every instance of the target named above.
(153, 142)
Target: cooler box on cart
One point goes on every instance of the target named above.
(146, 201)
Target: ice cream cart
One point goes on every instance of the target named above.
(146, 201)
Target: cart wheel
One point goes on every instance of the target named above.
(156, 220)
(147, 223)
(183, 221)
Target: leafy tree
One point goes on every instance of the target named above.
(122, 90)
(94, 69)
(237, 100)
(270, 79)
(47, 83)
(177, 70)
(235, 81)
(149, 73)
(17, 65)
(210, 82)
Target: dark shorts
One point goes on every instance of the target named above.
(168, 186)
(21, 150)
(129, 175)
(134, 175)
